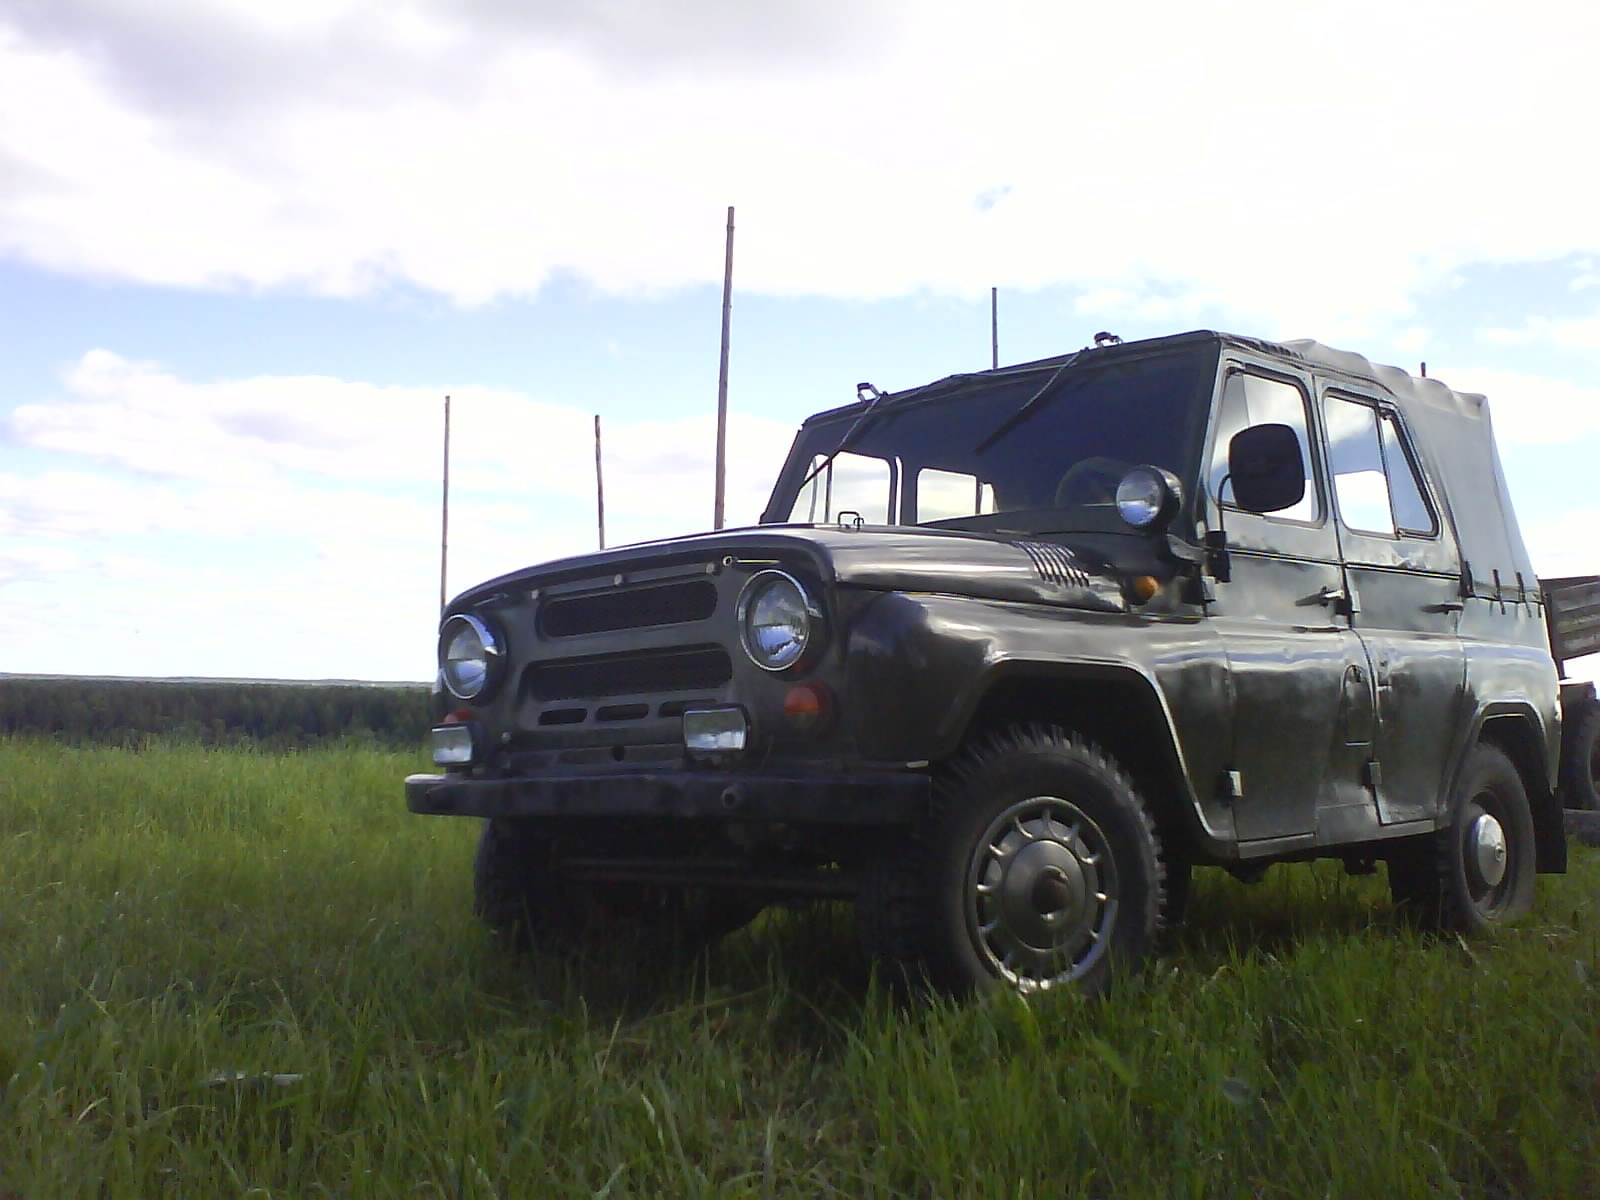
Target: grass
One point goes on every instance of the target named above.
(227, 973)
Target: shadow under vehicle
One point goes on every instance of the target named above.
(1011, 653)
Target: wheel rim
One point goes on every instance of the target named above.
(1042, 893)
(1486, 855)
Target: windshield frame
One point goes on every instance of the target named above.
(1002, 397)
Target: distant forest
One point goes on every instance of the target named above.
(213, 712)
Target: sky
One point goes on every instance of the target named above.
(247, 248)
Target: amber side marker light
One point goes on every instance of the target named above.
(1144, 588)
(807, 706)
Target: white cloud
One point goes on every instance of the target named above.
(289, 526)
(1532, 409)
(1570, 333)
(872, 149)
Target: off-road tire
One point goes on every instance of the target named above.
(1037, 866)
(1477, 872)
(514, 891)
(1580, 759)
(523, 898)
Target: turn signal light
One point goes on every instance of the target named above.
(1145, 587)
(807, 706)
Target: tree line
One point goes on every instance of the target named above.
(213, 712)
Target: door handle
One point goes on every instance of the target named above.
(1444, 607)
(1336, 597)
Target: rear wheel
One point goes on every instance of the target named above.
(1038, 867)
(1580, 759)
(1478, 871)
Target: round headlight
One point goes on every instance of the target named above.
(1148, 496)
(469, 656)
(776, 620)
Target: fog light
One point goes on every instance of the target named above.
(452, 745)
(714, 730)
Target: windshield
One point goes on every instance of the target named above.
(968, 455)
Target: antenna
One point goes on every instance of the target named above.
(994, 327)
(444, 509)
(722, 384)
(599, 485)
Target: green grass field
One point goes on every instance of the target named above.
(226, 973)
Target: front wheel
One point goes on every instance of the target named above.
(523, 897)
(1478, 871)
(1039, 866)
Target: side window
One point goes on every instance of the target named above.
(1355, 458)
(1411, 511)
(1375, 480)
(1256, 400)
(945, 494)
(851, 483)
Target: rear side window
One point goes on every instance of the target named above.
(943, 495)
(1410, 499)
(858, 483)
(1375, 480)
(1257, 400)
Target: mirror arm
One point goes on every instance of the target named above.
(1216, 542)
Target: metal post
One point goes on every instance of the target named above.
(718, 505)
(444, 513)
(994, 326)
(599, 484)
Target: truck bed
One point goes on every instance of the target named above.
(1572, 611)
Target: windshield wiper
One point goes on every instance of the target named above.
(1028, 406)
(873, 397)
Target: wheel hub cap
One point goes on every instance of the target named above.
(1041, 893)
(1486, 850)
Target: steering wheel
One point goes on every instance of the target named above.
(1091, 481)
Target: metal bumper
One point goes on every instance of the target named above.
(866, 798)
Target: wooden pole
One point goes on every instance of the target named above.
(444, 509)
(719, 504)
(599, 484)
(994, 327)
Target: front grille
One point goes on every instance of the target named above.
(691, 668)
(633, 608)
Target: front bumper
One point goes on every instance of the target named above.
(858, 799)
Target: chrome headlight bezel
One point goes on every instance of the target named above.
(454, 673)
(806, 621)
(1148, 498)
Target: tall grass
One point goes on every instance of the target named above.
(235, 973)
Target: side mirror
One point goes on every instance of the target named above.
(1265, 468)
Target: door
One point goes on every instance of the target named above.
(1301, 683)
(1404, 573)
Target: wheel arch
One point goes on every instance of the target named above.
(1120, 710)
(1515, 730)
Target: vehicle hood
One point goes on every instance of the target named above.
(877, 557)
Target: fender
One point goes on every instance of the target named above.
(926, 672)
(1516, 727)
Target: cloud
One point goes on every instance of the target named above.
(478, 150)
(1569, 333)
(348, 472)
(1532, 409)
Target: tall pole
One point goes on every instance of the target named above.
(994, 326)
(599, 485)
(718, 505)
(444, 510)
